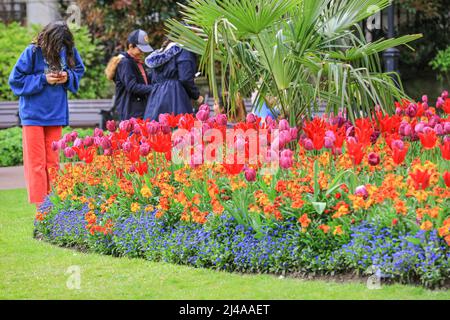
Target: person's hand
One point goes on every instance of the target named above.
(200, 100)
(52, 78)
(62, 77)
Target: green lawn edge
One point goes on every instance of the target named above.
(32, 269)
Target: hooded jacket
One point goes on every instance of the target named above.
(42, 104)
(131, 91)
(172, 76)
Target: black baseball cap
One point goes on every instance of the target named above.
(140, 39)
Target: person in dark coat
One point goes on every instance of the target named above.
(132, 81)
(172, 70)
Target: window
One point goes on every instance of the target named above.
(13, 10)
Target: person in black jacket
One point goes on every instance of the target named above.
(132, 81)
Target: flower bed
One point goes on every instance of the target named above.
(262, 196)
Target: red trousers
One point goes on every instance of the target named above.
(38, 158)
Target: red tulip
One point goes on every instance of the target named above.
(446, 177)
(421, 179)
(355, 150)
(399, 151)
(428, 138)
(445, 149)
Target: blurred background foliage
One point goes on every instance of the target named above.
(432, 19)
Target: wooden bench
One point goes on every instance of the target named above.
(9, 114)
(82, 113)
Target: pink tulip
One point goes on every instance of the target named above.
(111, 125)
(447, 128)
(163, 118)
(283, 125)
(126, 125)
(126, 146)
(251, 118)
(55, 145)
(250, 174)
(202, 115)
(78, 143)
(88, 141)
(69, 153)
(105, 143)
(362, 192)
(144, 149)
(397, 144)
(308, 144)
(98, 132)
(204, 107)
(286, 162)
(222, 119)
(328, 143)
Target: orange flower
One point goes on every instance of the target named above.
(338, 230)
(400, 207)
(447, 240)
(146, 192)
(427, 226)
(135, 207)
(324, 228)
(304, 221)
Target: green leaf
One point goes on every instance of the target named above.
(319, 206)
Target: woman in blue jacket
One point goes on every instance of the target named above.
(173, 71)
(45, 71)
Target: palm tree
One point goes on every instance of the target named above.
(298, 53)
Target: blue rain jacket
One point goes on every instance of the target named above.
(172, 76)
(42, 104)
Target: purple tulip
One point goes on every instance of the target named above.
(374, 159)
(328, 142)
(439, 129)
(444, 94)
(411, 111)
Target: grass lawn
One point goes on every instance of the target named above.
(30, 269)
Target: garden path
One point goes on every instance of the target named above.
(12, 178)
